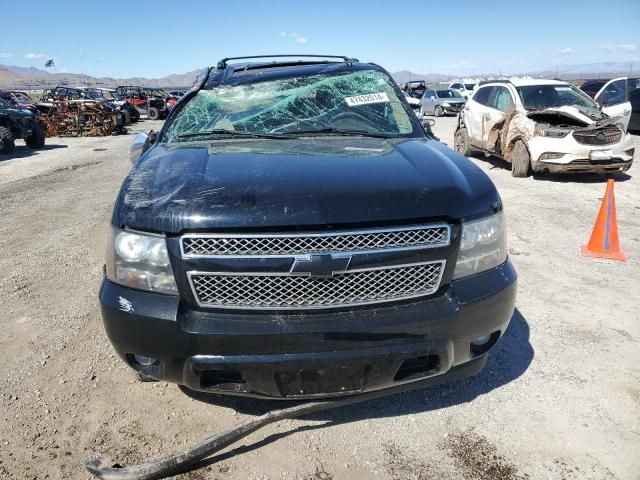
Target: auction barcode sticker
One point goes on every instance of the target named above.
(365, 99)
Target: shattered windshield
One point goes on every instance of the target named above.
(448, 93)
(541, 97)
(363, 102)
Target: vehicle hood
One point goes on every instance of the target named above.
(328, 181)
(574, 115)
(17, 112)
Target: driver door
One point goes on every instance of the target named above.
(614, 99)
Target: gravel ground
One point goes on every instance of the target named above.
(559, 399)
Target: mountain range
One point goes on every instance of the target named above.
(35, 78)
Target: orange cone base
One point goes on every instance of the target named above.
(620, 255)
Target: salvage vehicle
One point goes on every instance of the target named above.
(441, 102)
(293, 231)
(414, 103)
(20, 99)
(16, 123)
(465, 89)
(169, 99)
(543, 125)
(145, 101)
(634, 121)
(615, 96)
(178, 93)
(415, 88)
(110, 95)
(77, 94)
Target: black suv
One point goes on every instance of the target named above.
(16, 122)
(293, 231)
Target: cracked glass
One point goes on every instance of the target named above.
(362, 101)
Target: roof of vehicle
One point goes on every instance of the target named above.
(241, 73)
(523, 82)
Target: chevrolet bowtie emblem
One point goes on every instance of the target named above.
(322, 265)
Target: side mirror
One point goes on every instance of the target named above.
(141, 143)
(427, 123)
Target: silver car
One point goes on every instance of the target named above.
(441, 102)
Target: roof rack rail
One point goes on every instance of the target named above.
(222, 64)
(498, 80)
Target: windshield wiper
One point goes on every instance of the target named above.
(233, 133)
(339, 131)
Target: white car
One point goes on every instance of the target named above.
(465, 89)
(413, 102)
(543, 125)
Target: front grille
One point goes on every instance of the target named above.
(287, 291)
(604, 136)
(307, 243)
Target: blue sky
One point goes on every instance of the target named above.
(152, 39)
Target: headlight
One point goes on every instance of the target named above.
(483, 246)
(139, 261)
(555, 132)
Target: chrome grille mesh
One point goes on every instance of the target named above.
(604, 136)
(296, 244)
(355, 287)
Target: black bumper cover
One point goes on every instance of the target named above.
(316, 353)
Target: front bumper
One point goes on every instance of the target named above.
(311, 354)
(577, 156)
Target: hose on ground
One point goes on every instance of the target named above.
(179, 461)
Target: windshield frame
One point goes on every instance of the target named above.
(213, 83)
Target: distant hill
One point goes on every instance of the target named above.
(34, 78)
(565, 72)
(27, 71)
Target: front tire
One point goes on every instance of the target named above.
(521, 161)
(438, 111)
(154, 114)
(36, 139)
(461, 142)
(7, 143)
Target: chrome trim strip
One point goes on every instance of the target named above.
(332, 233)
(190, 274)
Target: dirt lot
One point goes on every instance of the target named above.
(559, 399)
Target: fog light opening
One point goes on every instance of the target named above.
(144, 361)
(483, 343)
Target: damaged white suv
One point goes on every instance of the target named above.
(543, 125)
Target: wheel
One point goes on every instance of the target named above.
(154, 114)
(36, 140)
(127, 116)
(438, 111)
(521, 161)
(461, 142)
(6, 140)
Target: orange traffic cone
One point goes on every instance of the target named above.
(604, 241)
